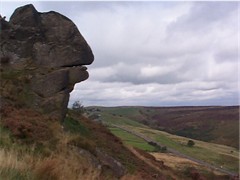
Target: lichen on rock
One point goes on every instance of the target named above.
(42, 58)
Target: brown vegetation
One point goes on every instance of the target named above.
(37, 147)
(215, 124)
(114, 147)
(47, 170)
(26, 124)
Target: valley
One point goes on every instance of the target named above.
(216, 124)
(217, 158)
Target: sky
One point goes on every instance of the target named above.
(155, 53)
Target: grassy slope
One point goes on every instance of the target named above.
(219, 155)
(211, 124)
(32, 146)
(58, 153)
(117, 116)
(132, 140)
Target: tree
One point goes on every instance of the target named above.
(77, 106)
(164, 149)
(191, 143)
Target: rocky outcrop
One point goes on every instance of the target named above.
(109, 162)
(42, 57)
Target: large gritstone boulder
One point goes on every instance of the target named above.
(42, 57)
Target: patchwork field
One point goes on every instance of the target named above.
(216, 124)
(222, 156)
(219, 155)
(132, 140)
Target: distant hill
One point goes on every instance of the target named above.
(218, 124)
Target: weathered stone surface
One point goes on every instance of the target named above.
(78, 74)
(112, 163)
(26, 16)
(50, 84)
(41, 59)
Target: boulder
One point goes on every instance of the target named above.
(42, 58)
(109, 162)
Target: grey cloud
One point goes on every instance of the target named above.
(229, 55)
(156, 53)
(113, 94)
(136, 74)
(203, 15)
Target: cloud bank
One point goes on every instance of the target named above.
(157, 53)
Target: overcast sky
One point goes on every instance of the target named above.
(155, 53)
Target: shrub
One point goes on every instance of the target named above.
(164, 149)
(191, 143)
(192, 173)
(75, 126)
(77, 106)
(26, 124)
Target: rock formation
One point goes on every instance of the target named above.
(42, 57)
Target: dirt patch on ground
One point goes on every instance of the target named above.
(174, 161)
(180, 164)
(158, 165)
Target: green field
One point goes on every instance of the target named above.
(113, 116)
(131, 139)
(215, 124)
(218, 155)
(215, 154)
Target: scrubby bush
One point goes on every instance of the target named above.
(77, 106)
(191, 143)
(164, 149)
(26, 124)
(75, 126)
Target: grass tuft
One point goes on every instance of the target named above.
(75, 126)
(47, 170)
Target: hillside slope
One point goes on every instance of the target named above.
(38, 147)
(212, 158)
(211, 124)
